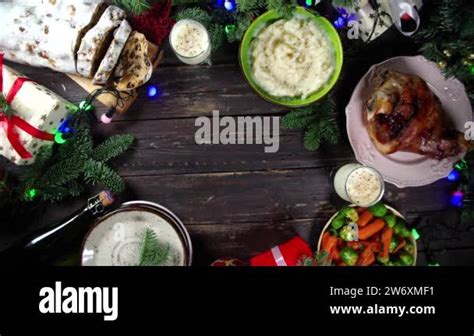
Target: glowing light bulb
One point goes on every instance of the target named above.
(58, 138)
(454, 175)
(152, 91)
(229, 5)
(457, 199)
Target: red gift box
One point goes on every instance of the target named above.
(287, 254)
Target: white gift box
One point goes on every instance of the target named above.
(38, 106)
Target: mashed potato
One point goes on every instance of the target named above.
(291, 58)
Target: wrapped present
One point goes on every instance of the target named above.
(29, 116)
(287, 254)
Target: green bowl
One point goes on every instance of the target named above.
(266, 19)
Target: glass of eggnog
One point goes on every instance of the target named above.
(358, 184)
(190, 42)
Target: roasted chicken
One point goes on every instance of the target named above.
(404, 115)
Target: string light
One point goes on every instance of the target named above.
(85, 106)
(152, 91)
(339, 23)
(31, 194)
(64, 126)
(72, 107)
(344, 18)
(461, 165)
(415, 234)
(457, 198)
(229, 5)
(106, 118)
(229, 29)
(58, 138)
(454, 176)
(62, 130)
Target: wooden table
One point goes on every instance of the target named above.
(235, 200)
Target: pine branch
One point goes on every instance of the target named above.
(217, 35)
(195, 13)
(243, 21)
(112, 147)
(245, 6)
(97, 172)
(54, 193)
(61, 173)
(449, 26)
(312, 137)
(63, 170)
(283, 7)
(317, 121)
(329, 130)
(467, 29)
(135, 7)
(153, 253)
(80, 145)
(298, 118)
(75, 188)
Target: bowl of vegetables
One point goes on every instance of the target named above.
(374, 236)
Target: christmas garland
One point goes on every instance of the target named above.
(446, 37)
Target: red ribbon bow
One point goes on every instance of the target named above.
(10, 123)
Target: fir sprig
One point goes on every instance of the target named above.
(63, 170)
(317, 121)
(245, 6)
(135, 7)
(112, 147)
(152, 252)
(283, 7)
(446, 36)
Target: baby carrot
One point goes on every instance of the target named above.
(355, 245)
(329, 244)
(371, 229)
(335, 254)
(365, 218)
(367, 257)
(386, 239)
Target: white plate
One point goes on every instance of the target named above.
(116, 238)
(407, 169)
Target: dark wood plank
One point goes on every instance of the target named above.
(169, 147)
(185, 92)
(264, 196)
